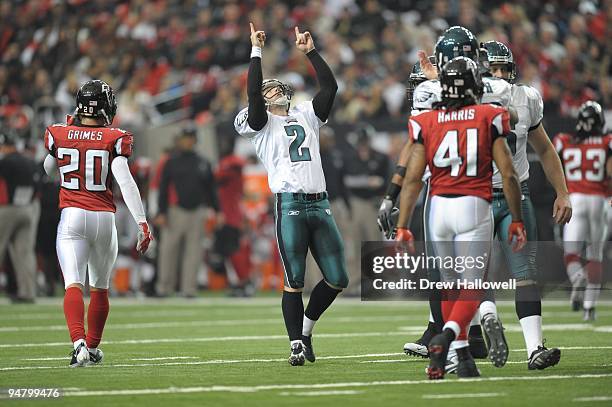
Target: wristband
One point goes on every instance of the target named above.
(400, 170)
(255, 52)
(393, 191)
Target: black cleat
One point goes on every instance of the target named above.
(438, 350)
(576, 305)
(542, 358)
(467, 368)
(478, 347)
(494, 332)
(296, 358)
(308, 349)
(95, 357)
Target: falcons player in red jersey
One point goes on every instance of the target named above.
(459, 140)
(85, 150)
(587, 160)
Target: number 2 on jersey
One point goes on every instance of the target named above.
(296, 151)
(447, 154)
(94, 180)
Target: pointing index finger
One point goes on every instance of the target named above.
(252, 28)
(297, 31)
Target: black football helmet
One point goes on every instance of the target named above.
(96, 99)
(416, 77)
(267, 90)
(499, 53)
(461, 82)
(591, 120)
(455, 42)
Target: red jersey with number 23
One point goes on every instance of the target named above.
(84, 155)
(458, 147)
(584, 162)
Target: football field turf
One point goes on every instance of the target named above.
(233, 352)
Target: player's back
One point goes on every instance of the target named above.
(584, 162)
(84, 155)
(458, 147)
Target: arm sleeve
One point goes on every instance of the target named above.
(50, 165)
(129, 190)
(257, 114)
(324, 99)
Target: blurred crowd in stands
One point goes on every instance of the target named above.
(199, 48)
(191, 57)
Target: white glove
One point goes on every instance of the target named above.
(144, 238)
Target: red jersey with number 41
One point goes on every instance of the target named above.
(584, 162)
(84, 155)
(458, 147)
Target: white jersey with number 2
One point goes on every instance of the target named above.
(288, 146)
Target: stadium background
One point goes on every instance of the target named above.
(176, 62)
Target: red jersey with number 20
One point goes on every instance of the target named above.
(84, 155)
(458, 147)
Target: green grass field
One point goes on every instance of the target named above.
(233, 352)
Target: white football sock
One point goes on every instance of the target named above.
(78, 342)
(591, 294)
(475, 319)
(296, 341)
(575, 272)
(308, 326)
(532, 331)
(453, 326)
(488, 307)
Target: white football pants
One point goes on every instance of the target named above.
(86, 242)
(588, 226)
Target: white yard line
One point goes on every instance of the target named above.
(461, 395)
(222, 322)
(203, 362)
(202, 339)
(321, 393)
(595, 398)
(309, 387)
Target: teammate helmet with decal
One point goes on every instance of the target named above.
(416, 77)
(591, 120)
(456, 41)
(268, 87)
(500, 54)
(461, 82)
(96, 99)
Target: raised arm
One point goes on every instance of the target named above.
(258, 117)
(324, 99)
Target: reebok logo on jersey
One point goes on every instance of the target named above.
(293, 213)
(328, 211)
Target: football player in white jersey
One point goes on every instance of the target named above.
(286, 140)
(528, 104)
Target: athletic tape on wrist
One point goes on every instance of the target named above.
(255, 52)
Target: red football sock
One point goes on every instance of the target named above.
(96, 317)
(74, 311)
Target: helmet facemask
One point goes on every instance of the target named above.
(271, 88)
